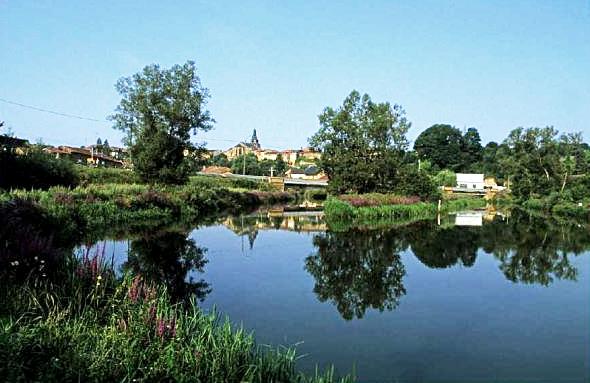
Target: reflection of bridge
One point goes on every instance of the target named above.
(280, 182)
(293, 221)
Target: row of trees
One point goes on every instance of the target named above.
(365, 149)
(364, 144)
(249, 164)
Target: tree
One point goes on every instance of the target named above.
(535, 161)
(442, 145)
(472, 149)
(159, 110)
(220, 160)
(362, 144)
(280, 166)
(246, 164)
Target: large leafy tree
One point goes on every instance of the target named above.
(472, 149)
(159, 110)
(442, 145)
(537, 162)
(362, 144)
(445, 147)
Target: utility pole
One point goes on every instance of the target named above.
(244, 165)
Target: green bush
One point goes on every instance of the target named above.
(90, 176)
(445, 178)
(411, 182)
(35, 170)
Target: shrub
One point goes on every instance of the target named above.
(35, 170)
(412, 182)
(377, 199)
(445, 178)
(90, 175)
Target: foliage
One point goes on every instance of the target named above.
(442, 145)
(342, 214)
(89, 175)
(362, 144)
(96, 208)
(250, 165)
(412, 182)
(219, 160)
(536, 162)
(35, 170)
(445, 178)
(377, 199)
(158, 111)
(447, 148)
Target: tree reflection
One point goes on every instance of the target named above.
(357, 270)
(534, 249)
(361, 269)
(168, 258)
(438, 247)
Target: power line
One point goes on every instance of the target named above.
(101, 121)
(51, 111)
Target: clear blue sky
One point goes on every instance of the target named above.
(271, 66)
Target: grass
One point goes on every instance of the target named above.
(78, 321)
(340, 213)
(146, 339)
(97, 208)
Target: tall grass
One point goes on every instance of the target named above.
(87, 325)
(99, 207)
(341, 213)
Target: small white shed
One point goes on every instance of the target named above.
(470, 181)
(469, 219)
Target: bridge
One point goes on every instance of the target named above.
(279, 182)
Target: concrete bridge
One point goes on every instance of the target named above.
(279, 182)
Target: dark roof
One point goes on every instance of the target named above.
(12, 141)
(312, 170)
(296, 171)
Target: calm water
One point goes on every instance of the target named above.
(507, 301)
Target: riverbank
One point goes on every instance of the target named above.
(81, 323)
(67, 317)
(380, 209)
(99, 208)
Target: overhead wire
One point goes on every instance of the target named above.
(68, 115)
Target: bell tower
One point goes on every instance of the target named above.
(254, 141)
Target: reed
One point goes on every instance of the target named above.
(341, 213)
(90, 326)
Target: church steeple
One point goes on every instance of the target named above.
(254, 141)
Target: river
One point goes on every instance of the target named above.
(469, 297)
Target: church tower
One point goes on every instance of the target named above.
(254, 142)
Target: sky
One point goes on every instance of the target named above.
(274, 66)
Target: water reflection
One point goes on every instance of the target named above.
(357, 270)
(167, 258)
(361, 269)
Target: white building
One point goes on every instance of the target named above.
(470, 181)
(469, 218)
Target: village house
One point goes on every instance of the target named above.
(84, 156)
(293, 157)
(470, 181)
(243, 148)
(13, 144)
